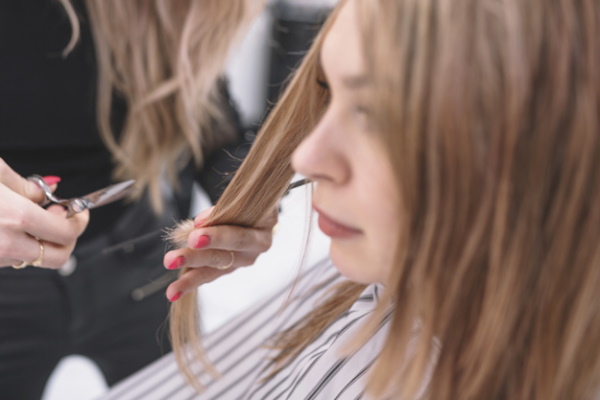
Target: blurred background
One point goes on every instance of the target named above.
(257, 71)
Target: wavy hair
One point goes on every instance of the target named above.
(164, 58)
(490, 111)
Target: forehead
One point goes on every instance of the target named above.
(341, 53)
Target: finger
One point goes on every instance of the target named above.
(203, 216)
(56, 256)
(192, 279)
(29, 249)
(17, 247)
(52, 182)
(230, 237)
(18, 184)
(219, 259)
(21, 215)
(79, 219)
(52, 225)
(269, 220)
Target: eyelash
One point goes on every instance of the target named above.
(323, 84)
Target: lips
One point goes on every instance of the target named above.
(335, 229)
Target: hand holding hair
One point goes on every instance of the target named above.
(209, 252)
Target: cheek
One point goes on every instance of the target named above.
(383, 240)
(383, 219)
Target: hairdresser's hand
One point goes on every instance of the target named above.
(226, 246)
(22, 220)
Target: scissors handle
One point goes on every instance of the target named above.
(77, 205)
(49, 197)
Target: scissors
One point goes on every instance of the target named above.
(92, 200)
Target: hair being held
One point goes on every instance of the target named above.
(247, 199)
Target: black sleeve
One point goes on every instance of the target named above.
(222, 161)
(222, 156)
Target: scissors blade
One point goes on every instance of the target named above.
(296, 184)
(108, 194)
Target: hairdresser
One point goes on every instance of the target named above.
(93, 93)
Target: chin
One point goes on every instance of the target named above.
(353, 266)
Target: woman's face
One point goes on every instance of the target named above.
(355, 194)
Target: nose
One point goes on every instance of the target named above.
(320, 156)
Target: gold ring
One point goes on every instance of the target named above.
(275, 229)
(37, 262)
(22, 265)
(223, 267)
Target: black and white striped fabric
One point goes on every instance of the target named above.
(239, 353)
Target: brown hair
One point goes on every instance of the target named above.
(164, 58)
(245, 204)
(490, 111)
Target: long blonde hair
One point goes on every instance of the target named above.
(164, 58)
(490, 110)
(245, 204)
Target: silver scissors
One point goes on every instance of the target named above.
(78, 204)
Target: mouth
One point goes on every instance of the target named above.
(335, 229)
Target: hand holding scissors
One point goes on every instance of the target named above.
(30, 234)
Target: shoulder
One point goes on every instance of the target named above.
(326, 369)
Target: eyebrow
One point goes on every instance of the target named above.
(355, 82)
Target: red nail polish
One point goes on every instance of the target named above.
(51, 179)
(175, 297)
(202, 242)
(177, 263)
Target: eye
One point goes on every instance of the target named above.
(325, 86)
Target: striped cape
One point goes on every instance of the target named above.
(239, 352)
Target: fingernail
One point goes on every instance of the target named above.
(175, 297)
(202, 242)
(51, 179)
(177, 263)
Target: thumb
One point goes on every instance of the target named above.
(35, 193)
(20, 185)
(202, 217)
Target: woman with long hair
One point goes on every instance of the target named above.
(95, 92)
(454, 148)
